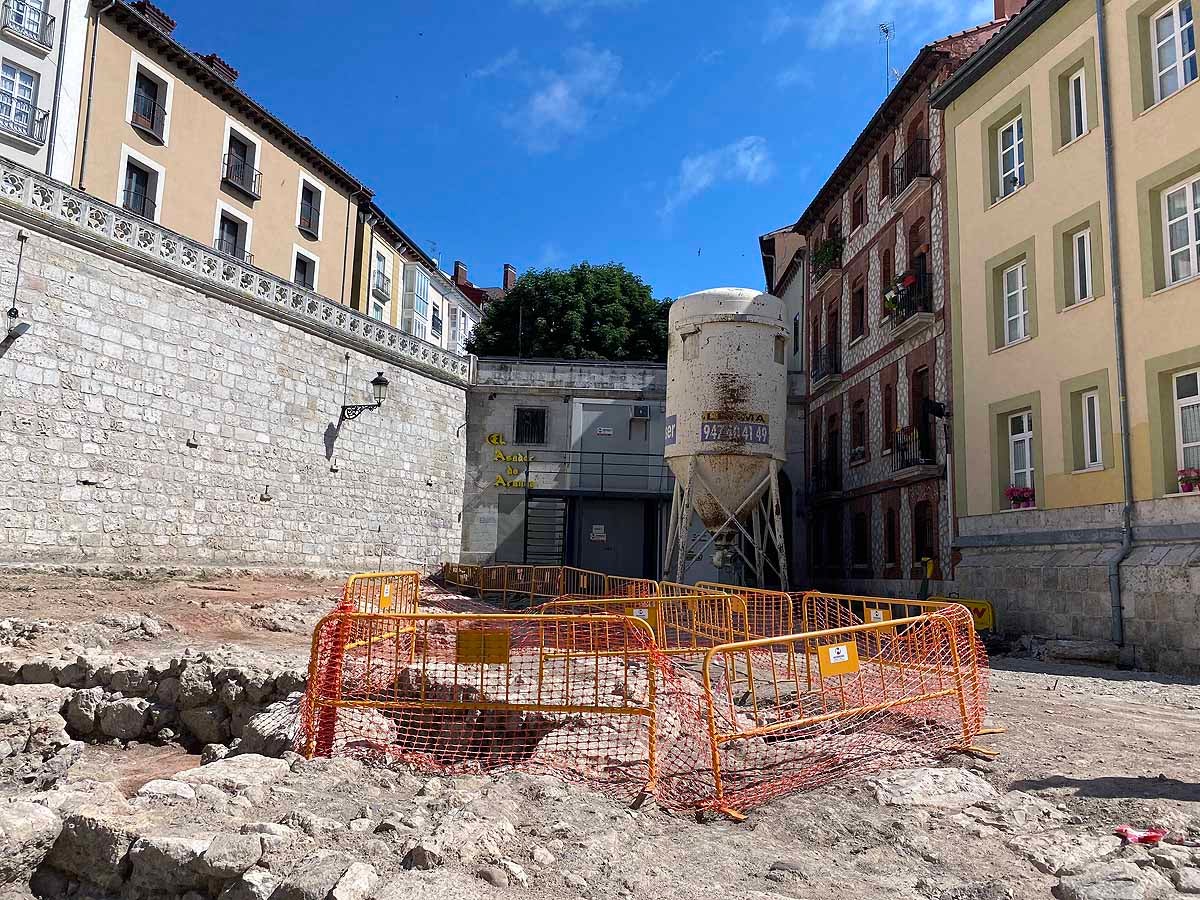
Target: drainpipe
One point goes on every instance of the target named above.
(1114, 567)
(87, 119)
(58, 78)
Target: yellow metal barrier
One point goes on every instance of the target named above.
(982, 611)
(768, 613)
(461, 576)
(387, 592)
(621, 586)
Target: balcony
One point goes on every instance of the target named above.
(310, 219)
(139, 204)
(911, 308)
(910, 172)
(381, 286)
(826, 479)
(827, 261)
(242, 175)
(27, 25)
(913, 455)
(826, 367)
(594, 471)
(148, 116)
(233, 250)
(23, 121)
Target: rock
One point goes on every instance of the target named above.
(73, 674)
(515, 872)
(207, 793)
(291, 681)
(1017, 813)
(422, 856)
(258, 685)
(574, 880)
(124, 719)
(310, 824)
(212, 752)
(236, 773)
(361, 826)
(167, 789)
(36, 672)
(256, 884)
(167, 691)
(208, 724)
(543, 857)
(1186, 881)
(167, 863)
(27, 832)
(70, 798)
(315, 877)
(1061, 852)
(195, 687)
(273, 731)
(1113, 881)
(493, 875)
(1170, 856)
(272, 828)
(786, 865)
(131, 682)
(230, 855)
(1102, 652)
(93, 847)
(357, 884)
(947, 788)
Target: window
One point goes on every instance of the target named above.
(1081, 251)
(1016, 308)
(858, 210)
(887, 270)
(858, 311)
(1012, 156)
(309, 214)
(305, 272)
(530, 427)
(1093, 456)
(417, 287)
(1187, 419)
(796, 335)
(889, 417)
(924, 535)
(29, 19)
(1020, 449)
(1077, 105)
(1181, 224)
(860, 541)
(381, 280)
(231, 237)
(891, 537)
(138, 193)
(858, 431)
(18, 103)
(241, 158)
(1173, 32)
(435, 322)
(885, 176)
(148, 112)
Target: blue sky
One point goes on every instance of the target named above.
(663, 134)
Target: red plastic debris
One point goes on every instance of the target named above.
(1151, 835)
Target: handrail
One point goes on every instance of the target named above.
(33, 24)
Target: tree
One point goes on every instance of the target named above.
(585, 312)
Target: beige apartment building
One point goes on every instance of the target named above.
(1074, 218)
(168, 135)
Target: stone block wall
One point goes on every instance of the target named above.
(146, 422)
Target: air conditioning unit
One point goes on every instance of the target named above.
(641, 412)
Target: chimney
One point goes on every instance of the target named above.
(157, 17)
(222, 68)
(1006, 8)
(460, 273)
(510, 277)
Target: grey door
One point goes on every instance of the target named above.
(611, 536)
(620, 451)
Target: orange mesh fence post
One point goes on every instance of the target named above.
(620, 586)
(383, 592)
(769, 613)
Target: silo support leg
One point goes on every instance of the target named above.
(672, 532)
(777, 523)
(685, 520)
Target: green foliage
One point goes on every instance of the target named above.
(585, 312)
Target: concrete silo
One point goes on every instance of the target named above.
(725, 428)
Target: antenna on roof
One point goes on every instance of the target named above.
(887, 31)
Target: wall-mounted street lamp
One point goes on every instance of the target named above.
(12, 320)
(379, 388)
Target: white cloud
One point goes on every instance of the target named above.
(575, 12)
(747, 160)
(551, 255)
(499, 64)
(794, 76)
(856, 21)
(565, 102)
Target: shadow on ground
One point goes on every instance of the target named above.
(1116, 787)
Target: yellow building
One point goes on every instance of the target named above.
(168, 135)
(1064, 259)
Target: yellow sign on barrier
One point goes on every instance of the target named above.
(837, 659)
(481, 647)
(982, 611)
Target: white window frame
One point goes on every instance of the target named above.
(1022, 292)
(1179, 406)
(1189, 188)
(245, 134)
(1018, 169)
(1023, 437)
(1077, 104)
(128, 153)
(319, 188)
(1081, 265)
(1089, 403)
(297, 250)
(234, 213)
(135, 60)
(1171, 9)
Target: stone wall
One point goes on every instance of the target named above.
(145, 421)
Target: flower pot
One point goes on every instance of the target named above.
(1187, 487)
(1027, 504)
(1017, 504)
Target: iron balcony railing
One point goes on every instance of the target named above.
(381, 284)
(148, 114)
(29, 22)
(139, 203)
(305, 282)
(242, 175)
(913, 163)
(826, 362)
(915, 296)
(827, 474)
(310, 218)
(912, 446)
(20, 117)
(827, 256)
(231, 248)
(594, 470)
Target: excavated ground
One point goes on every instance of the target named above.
(175, 664)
